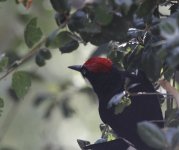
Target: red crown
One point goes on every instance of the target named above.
(98, 64)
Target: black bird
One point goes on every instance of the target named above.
(108, 81)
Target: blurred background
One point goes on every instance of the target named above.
(59, 108)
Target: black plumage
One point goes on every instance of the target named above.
(111, 81)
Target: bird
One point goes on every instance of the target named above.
(107, 81)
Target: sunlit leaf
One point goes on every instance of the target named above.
(125, 102)
(116, 99)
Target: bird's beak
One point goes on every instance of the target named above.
(76, 67)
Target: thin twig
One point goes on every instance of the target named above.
(156, 121)
(18, 63)
(153, 93)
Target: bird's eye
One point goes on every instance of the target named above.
(84, 72)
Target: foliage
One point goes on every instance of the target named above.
(133, 34)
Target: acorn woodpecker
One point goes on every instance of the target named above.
(107, 81)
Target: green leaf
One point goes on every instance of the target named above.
(1, 103)
(3, 0)
(151, 61)
(61, 6)
(69, 47)
(45, 53)
(32, 33)
(175, 140)
(111, 137)
(3, 63)
(120, 102)
(124, 5)
(125, 102)
(152, 135)
(103, 16)
(39, 60)
(115, 100)
(146, 7)
(21, 83)
(91, 28)
(172, 58)
(168, 27)
(59, 39)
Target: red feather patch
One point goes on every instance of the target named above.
(98, 64)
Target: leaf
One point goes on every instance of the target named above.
(41, 98)
(124, 5)
(82, 143)
(32, 33)
(49, 110)
(146, 7)
(123, 2)
(151, 135)
(78, 20)
(21, 83)
(116, 99)
(125, 102)
(3, 0)
(91, 28)
(151, 61)
(61, 6)
(175, 140)
(168, 27)
(51, 38)
(1, 103)
(120, 102)
(39, 60)
(3, 62)
(103, 16)
(59, 39)
(69, 47)
(169, 133)
(45, 53)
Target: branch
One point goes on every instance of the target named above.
(29, 55)
(153, 93)
(166, 85)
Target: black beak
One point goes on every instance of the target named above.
(76, 67)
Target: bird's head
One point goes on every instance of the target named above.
(107, 80)
(100, 72)
(95, 65)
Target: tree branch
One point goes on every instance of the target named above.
(18, 63)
